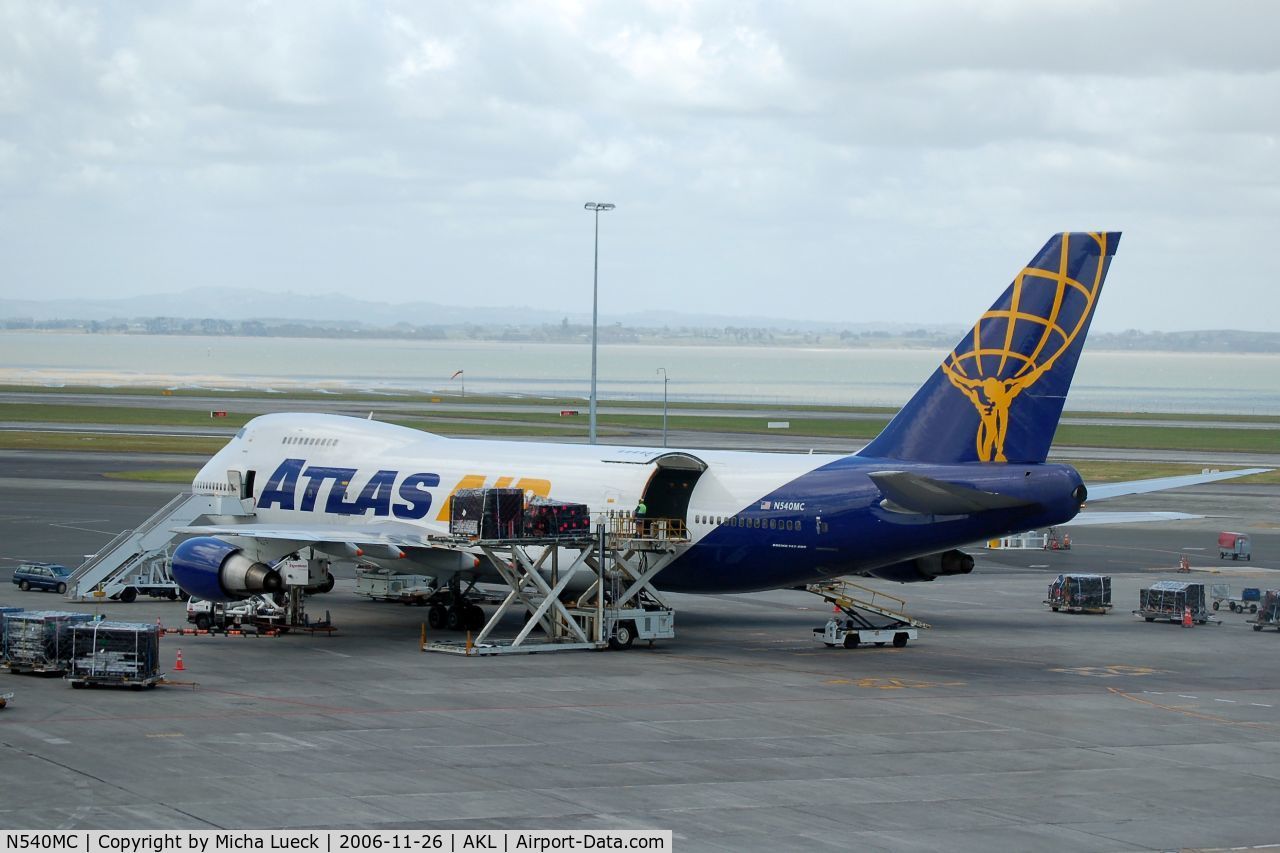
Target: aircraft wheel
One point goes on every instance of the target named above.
(24, 586)
(475, 617)
(62, 589)
(454, 619)
(899, 640)
(436, 617)
(851, 641)
(624, 636)
(129, 595)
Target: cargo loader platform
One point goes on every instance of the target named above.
(611, 570)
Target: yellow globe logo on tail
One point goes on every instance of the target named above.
(1019, 339)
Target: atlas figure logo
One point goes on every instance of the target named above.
(409, 500)
(1018, 341)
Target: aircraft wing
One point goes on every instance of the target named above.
(388, 533)
(1107, 491)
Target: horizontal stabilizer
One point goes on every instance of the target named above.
(1094, 518)
(1106, 491)
(912, 493)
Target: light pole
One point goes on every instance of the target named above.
(595, 207)
(663, 371)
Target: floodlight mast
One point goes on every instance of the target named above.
(596, 207)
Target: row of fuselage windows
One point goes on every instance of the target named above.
(747, 521)
(314, 442)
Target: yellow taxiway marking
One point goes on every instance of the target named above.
(1213, 718)
(892, 683)
(1111, 671)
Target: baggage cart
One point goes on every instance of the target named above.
(1168, 600)
(1247, 602)
(1268, 611)
(1080, 593)
(1237, 546)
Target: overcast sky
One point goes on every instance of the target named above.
(811, 160)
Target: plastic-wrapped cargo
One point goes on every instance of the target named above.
(38, 640)
(5, 611)
(1168, 600)
(114, 653)
(487, 513)
(1080, 593)
(545, 517)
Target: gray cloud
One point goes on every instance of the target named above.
(807, 160)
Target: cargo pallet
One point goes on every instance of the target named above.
(115, 681)
(35, 668)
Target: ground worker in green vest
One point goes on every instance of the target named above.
(641, 509)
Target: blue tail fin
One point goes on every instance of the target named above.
(998, 395)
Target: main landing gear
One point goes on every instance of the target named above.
(451, 610)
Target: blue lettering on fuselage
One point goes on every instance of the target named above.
(282, 487)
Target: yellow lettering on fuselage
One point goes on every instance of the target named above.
(529, 485)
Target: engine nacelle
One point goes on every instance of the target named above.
(926, 568)
(214, 570)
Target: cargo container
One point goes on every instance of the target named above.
(1268, 611)
(487, 513)
(1080, 593)
(38, 640)
(1170, 599)
(114, 653)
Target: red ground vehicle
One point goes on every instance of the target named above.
(1234, 545)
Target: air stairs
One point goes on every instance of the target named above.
(855, 600)
(138, 560)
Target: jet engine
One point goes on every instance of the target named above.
(214, 570)
(926, 568)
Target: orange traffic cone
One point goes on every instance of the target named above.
(178, 667)
(1186, 617)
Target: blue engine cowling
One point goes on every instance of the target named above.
(214, 570)
(951, 562)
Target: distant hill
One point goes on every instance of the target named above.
(250, 312)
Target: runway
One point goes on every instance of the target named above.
(1004, 727)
